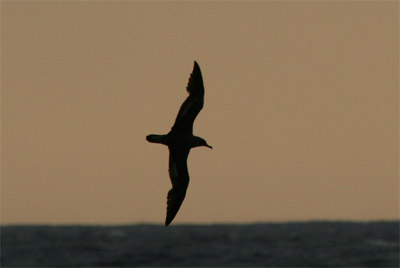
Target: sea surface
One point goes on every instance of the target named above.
(307, 244)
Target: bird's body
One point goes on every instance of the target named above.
(180, 140)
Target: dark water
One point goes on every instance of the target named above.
(339, 244)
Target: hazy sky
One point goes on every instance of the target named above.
(301, 107)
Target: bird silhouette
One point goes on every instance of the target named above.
(180, 140)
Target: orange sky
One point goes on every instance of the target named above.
(301, 107)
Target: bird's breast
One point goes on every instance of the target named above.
(180, 142)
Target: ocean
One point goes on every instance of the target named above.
(293, 244)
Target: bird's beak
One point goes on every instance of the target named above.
(209, 146)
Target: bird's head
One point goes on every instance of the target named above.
(197, 141)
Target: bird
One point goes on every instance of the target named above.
(180, 140)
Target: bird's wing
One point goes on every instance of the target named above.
(193, 103)
(179, 175)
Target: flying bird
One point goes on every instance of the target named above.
(180, 140)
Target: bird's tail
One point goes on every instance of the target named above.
(157, 139)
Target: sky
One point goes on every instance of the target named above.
(301, 108)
